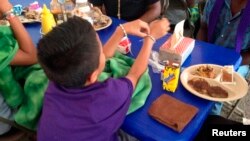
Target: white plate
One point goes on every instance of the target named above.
(23, 20)
(26, 20)
(106, 25)
(235, 91)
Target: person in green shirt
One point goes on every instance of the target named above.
(22, 81)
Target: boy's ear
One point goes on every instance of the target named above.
(93, 77)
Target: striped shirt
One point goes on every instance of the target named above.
(226, 28)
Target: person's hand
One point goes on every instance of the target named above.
(137, 28)
(4, 7)
(159, 28)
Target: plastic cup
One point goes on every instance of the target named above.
(124, 45)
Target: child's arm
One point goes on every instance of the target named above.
(203, 31)
(137, 27)
(158, 29)
(26, 55)
(245, 57)
(190, 3)
(153, 11)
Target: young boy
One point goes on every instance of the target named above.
(76, 106)
(22, 81)
(228, 31)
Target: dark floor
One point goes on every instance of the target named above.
(15, 135)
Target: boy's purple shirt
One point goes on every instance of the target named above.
(94, 113)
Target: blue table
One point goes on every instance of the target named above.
(139, 123)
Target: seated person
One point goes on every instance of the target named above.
(224, 33)
(178, 10)
(5, 112)
(195, 13)
(76, 106)
(193, 10)
(21, 97)
(146, 10)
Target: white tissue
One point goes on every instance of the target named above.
(154, 62)
(178, 34)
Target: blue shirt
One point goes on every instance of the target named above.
(93, 113)
(226, 27)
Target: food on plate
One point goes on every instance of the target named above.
(202, 86)
(205, 71)
(96, 13)
(217, 92)
(4, 23)
(227, 74)
(32, 15)
(103, 21)
(95, 17)
(199, 84)
(99, 19)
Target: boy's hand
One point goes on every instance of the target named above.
(159, 28)
(4, 7)
(137, 27)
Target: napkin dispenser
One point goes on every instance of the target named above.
(177, 48)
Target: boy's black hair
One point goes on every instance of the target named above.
(69, 53)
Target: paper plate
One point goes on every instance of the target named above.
(109, 22)
(235, 91)
(23, 19)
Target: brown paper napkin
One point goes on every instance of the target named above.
(172, 112)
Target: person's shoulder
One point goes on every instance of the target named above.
(119, 84)
(53, 88)
(122, 80)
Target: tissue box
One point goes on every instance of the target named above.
(178, 53)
